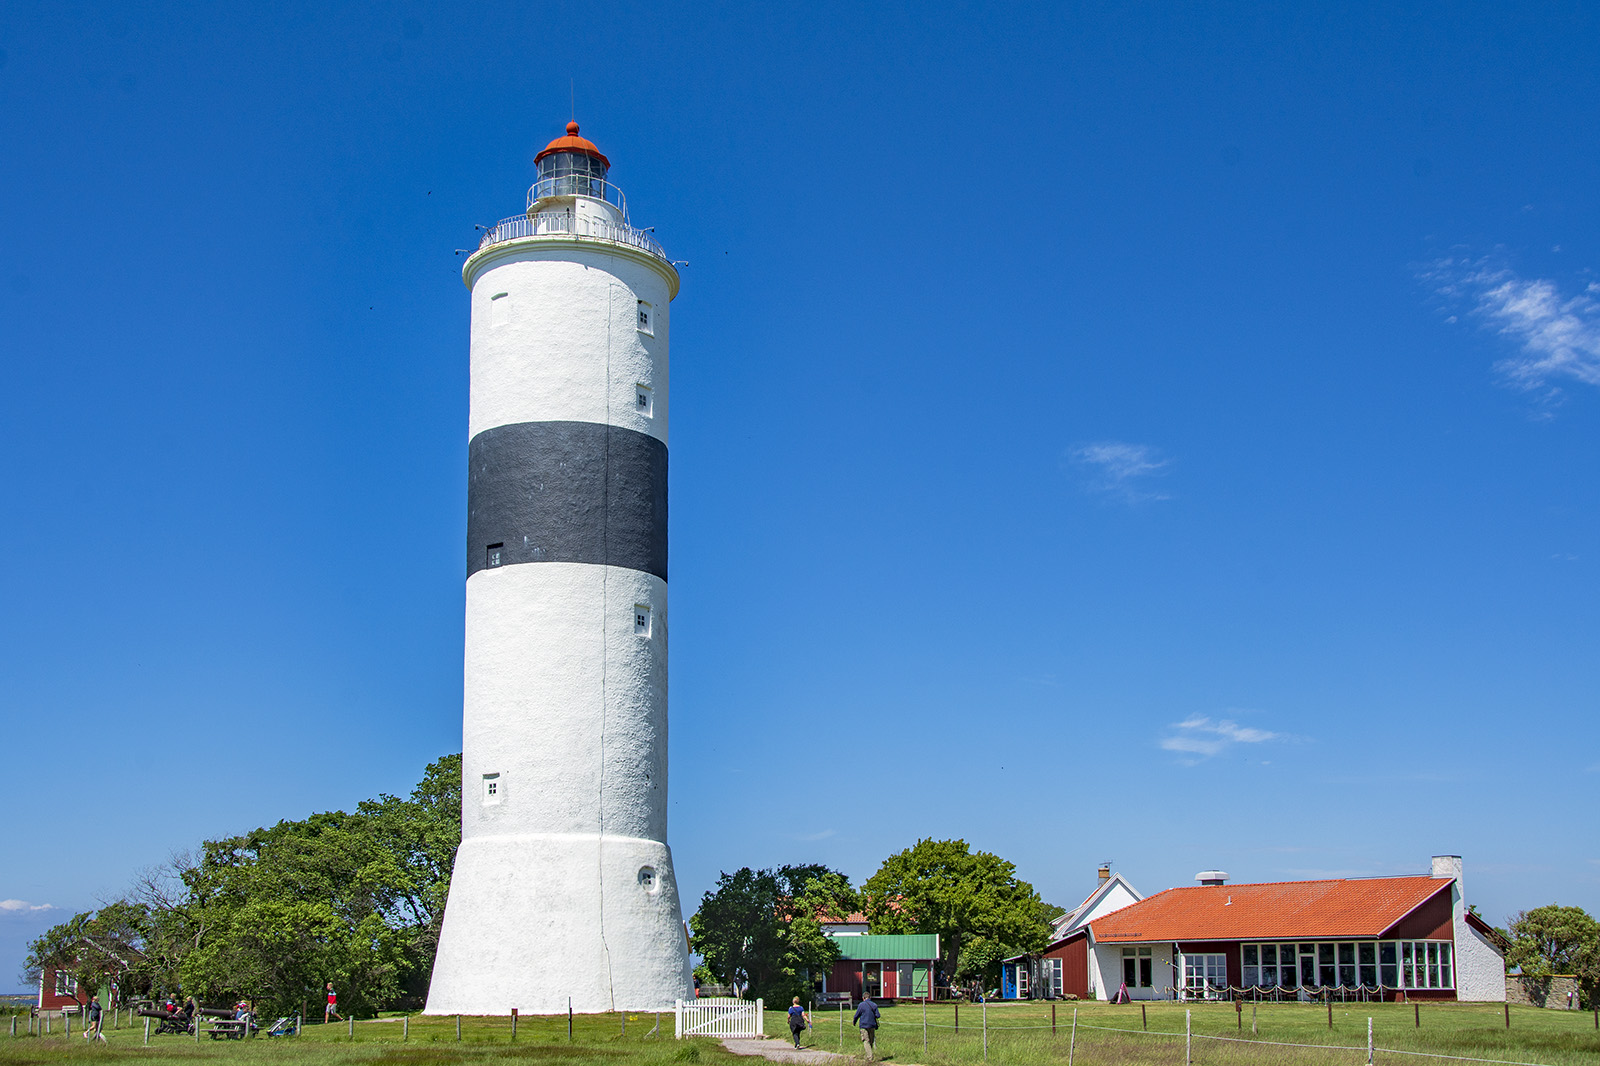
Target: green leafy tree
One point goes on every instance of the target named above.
(762, 928)
(1557, 940)
(943, 887)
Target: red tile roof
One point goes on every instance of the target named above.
(1281, 910)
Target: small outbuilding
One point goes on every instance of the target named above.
(885, 967)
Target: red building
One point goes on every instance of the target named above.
(899, 967)
(1378, 937)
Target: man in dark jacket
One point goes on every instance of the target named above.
(866, 1019)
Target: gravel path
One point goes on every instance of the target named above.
(782, 1051)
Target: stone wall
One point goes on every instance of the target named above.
(1549, 991)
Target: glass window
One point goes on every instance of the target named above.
(1347, 966)
(1130, 968)
(1388, 970)
(1146, 969)
(1446, 978)
(1308, 966)
(1205, 975)
(1286, 974)
(1433, 965)
(492, 556)
(1327, 971)
(1250, 961)
(1367, 958)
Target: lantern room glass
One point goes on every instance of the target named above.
(572, 174)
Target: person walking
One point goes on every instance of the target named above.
(799, 1021)
(92, 1015)
(866, 1019)
(330, 1013)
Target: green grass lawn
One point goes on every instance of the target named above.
(1018, 1033)
(1021, 1033)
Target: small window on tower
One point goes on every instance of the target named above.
(492, 791)
(641, 620)
(646, 323)
(644, 401)
(497, 309)
(493, 555)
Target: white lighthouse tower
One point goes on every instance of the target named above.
(563, 886)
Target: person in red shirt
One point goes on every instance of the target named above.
(330, 1013)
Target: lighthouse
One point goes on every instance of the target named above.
(563, 885)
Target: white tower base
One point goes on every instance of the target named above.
(552, 879)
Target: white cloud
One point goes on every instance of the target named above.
(19, 906)
(1121, 469)
(1557, 334)
(1202, 737)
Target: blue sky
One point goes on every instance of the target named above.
(1165, 434)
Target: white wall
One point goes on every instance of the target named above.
(564, 885)
(1105, 971)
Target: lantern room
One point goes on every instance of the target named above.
(572, 166)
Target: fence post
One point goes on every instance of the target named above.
(1072, 1045)
(458, 1028)
(1253, 1007)
(196, 1021)
(958, 1016)
(1053, 1016)
(1508, 1015)
(1416, 1015)
(841, 1027)
(1188, 1038)
(569, 1019)
(1145, 1018)
(1330, 1012)
(147, 1032)
(924, 1025)
(514, 1024)
(405, 1028)
(1369, 1041)
(350, 1022)
(986, 1029)
(66, 1020)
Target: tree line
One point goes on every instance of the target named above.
(272, 914)
(357, 899)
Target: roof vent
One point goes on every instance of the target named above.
(1211, 878)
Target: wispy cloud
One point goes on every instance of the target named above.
(1200, 737)
(1557, 333)
(22, 906)
(1120, 469)
(823, 835)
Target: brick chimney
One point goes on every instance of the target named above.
(1105, 873)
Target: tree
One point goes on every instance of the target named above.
(943, 887)
(761, 927)
(1555, 940)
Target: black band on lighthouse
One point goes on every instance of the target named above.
(567, 492)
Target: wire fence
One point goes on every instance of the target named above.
(1074, 1025)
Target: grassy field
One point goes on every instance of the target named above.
(1021, 1033)
(1017, 1033)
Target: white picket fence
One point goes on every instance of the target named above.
(717, 1016)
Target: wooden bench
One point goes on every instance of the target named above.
(228, 1029)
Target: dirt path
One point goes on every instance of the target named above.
(782, 1051)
